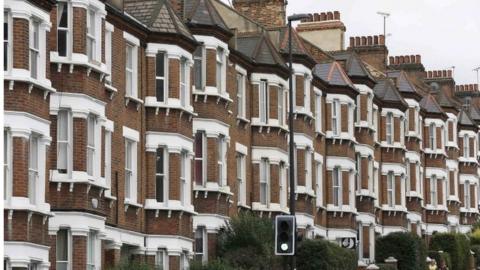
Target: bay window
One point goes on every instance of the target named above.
(306, 92)
(318, 112)
(201, 244)
(222, 160)
(319, 183)
(241, 183)
(337, 186)
(130, 171)
(7, 55)
(64, 141)
(241, 98)
(390, 189)
(33, 169)
(264, 181)
(184, 92)
(91, 36)
(131, 70)
(219, 72)
(63, 249)
(336, 124)
(63, 28)
(7, 164)
(466, 146)
(161, 260)
(198, 63)
(283, 185)
(160, 176)
(200, 158)
(108, 159)
(160, 78)
(264, 102)
(308, 169)
(389, 128)
(34, 48)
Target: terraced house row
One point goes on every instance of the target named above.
(134, 129)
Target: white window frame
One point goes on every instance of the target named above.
(337, 187)
(408, 181)
(7, 164)
(92, 146)
(33, 168)
(201, 233)
(131, 89)
(64, 117)
(109, 29)
(184, 181)
(389, 128)
(391, 201)
(281, 106)
(161, 264)
(433, 190)
(92, 239)
(220, 69)
(164, 174)
(7, 43)
(466, 195)
(241, 179)
(371, 172)
(318, 112)
(67, 30)
(200, 59)
(466, 146)
(34, 48)
(161, 78)
(68, 239)
(319, 183)
(202, 159)
(358, 174)
(308, 169)
(184, 265)
(375, 124)
(130, 171)
(91, 35)
(306, 92)
(108, 159)
(264, 182)
(222, 160)
(432, 136)
(264, 106)
(184, 82)
(241, 95)
(336, 117)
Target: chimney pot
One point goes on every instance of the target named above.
(364, 41)
(476, 87)
(316, 17)
(336, 15)
(444, 74)
(329, 16)
(369, 41)
(407, 59)
(397, 60)
(418, 59)
(412, 59)
(323, 16)
(402, 59)
(375, 40)
(429, 74)
(352, 42)
(357, 41)
(471, 87)
(391, 60)
(435, 74)
(449, 73)
(382, 39)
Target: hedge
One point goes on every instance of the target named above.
(457, 245)
(320, 254)
(211, 265)
(407, 248)
(476, 250)
(384, 266)
(441, 258)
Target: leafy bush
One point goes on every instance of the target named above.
(475, 237)
(247, 242)
(407, 248)
(442, 258)
(384, 266)
(457, 245)
(211, 265)
(131, 265)
(321, 254)
(476, 250)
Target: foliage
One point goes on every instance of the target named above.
(442, 258)
(476, 250)
(407, 248)
(385, 266)
(211, 265)
(475, 237)
(457, 245)
(321, 254)
(247, 242)
(131, 265)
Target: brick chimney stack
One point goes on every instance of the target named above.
(371, 49)
(439, 78)
(411, 64)
(325, 30)
(269, 13)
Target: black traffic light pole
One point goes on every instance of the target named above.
(291, 18)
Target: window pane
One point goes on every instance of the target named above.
(160, 64)
(63, 15)
(199, 240)
(62, 43)
(160, 90)
(159, 191)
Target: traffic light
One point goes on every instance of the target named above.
(285, 235)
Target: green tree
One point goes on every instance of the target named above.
(457, 245)
(407, 248)
(323, 255)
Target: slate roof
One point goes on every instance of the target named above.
(259, 49)
(158, 16)
(354, 66)
(430, 105)
(204, 13)
(446, 101)
(464, 119)
(297, 44)
(386, 90)
(403, 83)
(333, 73)
(474, 114)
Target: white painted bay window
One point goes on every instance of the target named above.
(130, 171)
(184, 181)
(160, 175)
(201, 244)
(241, 95)
(64, 142)
(433, 190)
(281, 106)
(91, 35)
(92, 240)
(264, 181)
(264, 102)
(7, 164)
(91, 145)
(64, 28)
(198, 66)
(34, 48)
(222, 160)
(33, 175)
(241, 180)
(319, 183)
(131, 70)
(308, 170)
(337, 186)
(432, 131)
(63, 249)
(336, 122)
(161, 89)
(200, 158)
(7, 41)
(161, 260)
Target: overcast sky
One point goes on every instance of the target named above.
(445, 32)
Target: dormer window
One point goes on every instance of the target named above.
(432, 136)
(63, 28)
(389, 128)
(160, 82)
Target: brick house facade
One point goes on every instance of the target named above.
(135, 129)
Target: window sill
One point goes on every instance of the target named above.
(395, 208)
(135, 100)
(170, 205)
(256, 123)
(469, 210)
(305, 114)
(45, 84)
(344, 136)
(453, 199)
(213, 92)
(77, 59)
(343, 208)
(366, 125)
(414, 194)
(272, 207)
(436, 152)
(430, 207)
(77, 177)
(365, 193)
(112, 90)
(241, 119)
(212, 187)
(151, 102)
(23, 204)
(467, 160)
(395, 145)
(129, 204)
(243, 205)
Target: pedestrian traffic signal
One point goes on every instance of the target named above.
(285, 235)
